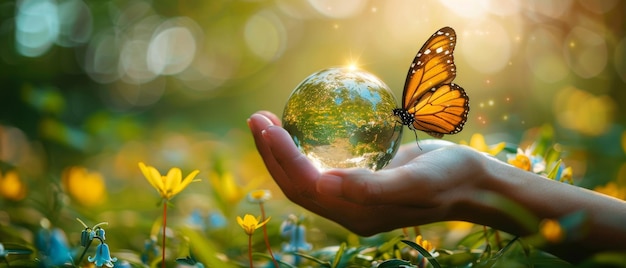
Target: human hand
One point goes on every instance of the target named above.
(418, 186)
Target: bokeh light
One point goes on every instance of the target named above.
(543, 54)
(585, 51)
(105, 84)
(36, 27)
(208, 65)
(618, 59)
(338, 9)
(581, 111)
(487, 35)
(173, 46)
(265, 35)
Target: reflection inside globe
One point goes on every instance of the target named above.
(342, 118)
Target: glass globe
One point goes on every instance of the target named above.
(342, 118)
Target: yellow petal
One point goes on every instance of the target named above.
(520, 161)
(477, 141)
(154, 177)
(189, 179)
(262, 223)
(496, 148)
(11, 186)
(172, 179)
(249, 220)
(144, 170)
(551, 230)
(248, 223)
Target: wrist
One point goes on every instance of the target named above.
(496, 198)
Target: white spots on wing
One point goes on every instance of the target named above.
(439, 50)
(427, 51)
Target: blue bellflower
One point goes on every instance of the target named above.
(150, 250)
(103, 256)
(52, 244)
(297, 237)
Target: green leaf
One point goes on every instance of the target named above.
(457, 259)
(424, 253)
(269, 258)
(510, 148)
(390, 245)
(321, 263)
(186, 260)
(476, 239)
(206, 251)
(340, 251)
(554, 170)
(486, 255)
(395, 263)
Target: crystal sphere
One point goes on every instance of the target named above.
(342, 118)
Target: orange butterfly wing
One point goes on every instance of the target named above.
(443, 111)
(437, 105)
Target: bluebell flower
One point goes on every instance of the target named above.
(53, 246)
(196, 220)
(103, 256)
(86, 236)
(100, 233)
(217, 220)
(297, 236)
(150, 250)
(214, 220)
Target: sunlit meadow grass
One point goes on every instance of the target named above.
(204, 227)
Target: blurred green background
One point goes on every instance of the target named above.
(106, 84)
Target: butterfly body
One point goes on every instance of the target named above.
(430, 101)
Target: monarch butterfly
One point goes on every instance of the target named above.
(430, 101)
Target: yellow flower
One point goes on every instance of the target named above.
(520, 161)
(552, 231)
(87, 188)
(249, 223)
(477, 141)
(612, 189)
(425, 244)
(566, 175)
(11, 187)
(527, 160)
(259, 196)
(170, 185)
(226, 187)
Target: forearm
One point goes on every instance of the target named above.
(548, 199)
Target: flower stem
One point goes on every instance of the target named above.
(82, 255)
(267, 241)
(250, 250)
(417, 231)
(498, 239)
(164, 226)
(486, 235)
